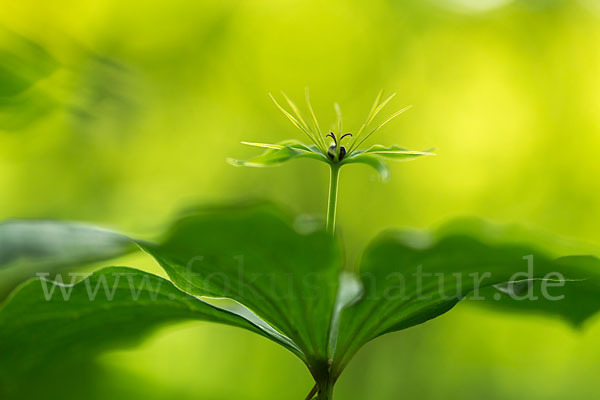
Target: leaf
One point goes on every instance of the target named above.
(19, 111)
(113, 307)
(31, 246)
(350, 292)
(254, 270)
(396, 152)
(581, 298)
(377, 155)
(46, 243)
(279, 153)
(410, 278)
(253, 255)
(373, 161)
(574, 302)
(23, 64)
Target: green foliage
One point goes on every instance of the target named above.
(288, 286)
(254, 256)
(46, 244)
(29, 246)
(44, 321)
(410, 278)
(142, 119)
(23, 64)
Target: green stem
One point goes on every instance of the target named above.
(333, 192)
(312, 393)
(326, 390)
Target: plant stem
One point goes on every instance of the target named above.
(313, 392)
(333, 192)
(326, 390)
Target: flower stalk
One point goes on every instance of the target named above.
(334, 178)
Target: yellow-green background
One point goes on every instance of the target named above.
(144, 101)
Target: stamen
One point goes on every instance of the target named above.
(332, 135)
(343, 136)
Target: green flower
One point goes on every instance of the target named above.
(333, 148)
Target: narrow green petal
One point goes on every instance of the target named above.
(338, 112)
(381, 125)
(293, 120)
(372, 114)
(315, 121)
(265, 145)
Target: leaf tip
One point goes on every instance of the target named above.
(234, 162)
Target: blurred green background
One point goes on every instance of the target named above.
(123, 112)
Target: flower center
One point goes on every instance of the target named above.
(333, 149)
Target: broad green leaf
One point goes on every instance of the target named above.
(279, 153)
(409, 278)
(253, 255)
(581, 297)
(497, 234)
(31, 246)
(47, 243)
(45, 323)
(574, 302)
(350, 292)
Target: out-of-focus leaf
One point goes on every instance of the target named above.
(552, 244)
(574, 302)
(410, 278)
(46, 243)
(44, 323)
(17, 112)
(23, 64)
(279, 153)
(253, 255)
(581, 298)
(31, 246)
